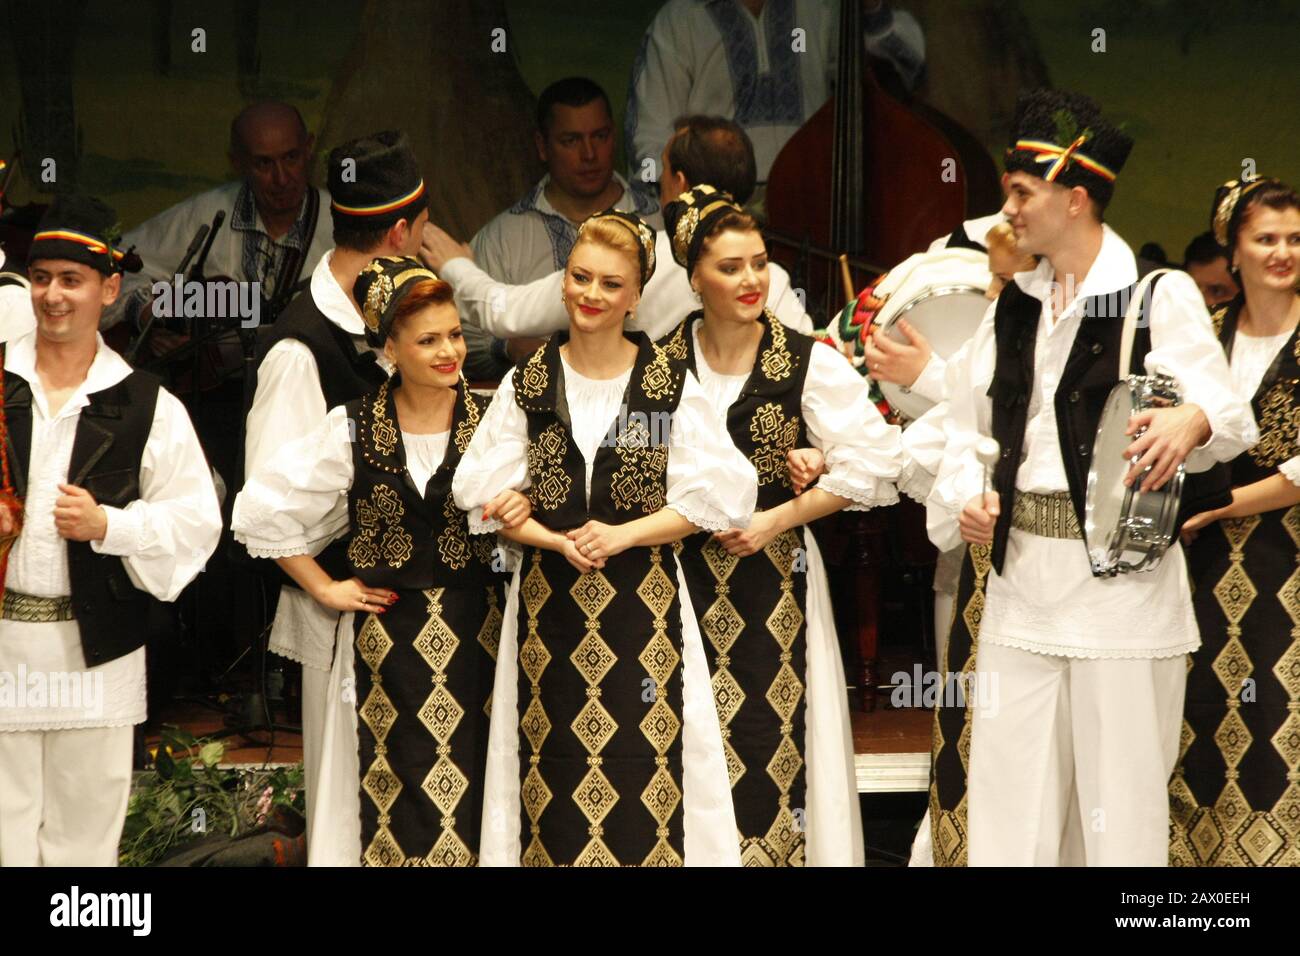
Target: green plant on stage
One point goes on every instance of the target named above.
(187, 795)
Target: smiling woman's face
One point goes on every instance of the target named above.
(428, 347)
(732, 275)
(600, 286)
(1268, 248)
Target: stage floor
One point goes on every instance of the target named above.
(891, 747)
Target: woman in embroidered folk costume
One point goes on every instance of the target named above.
(605, 747)
(425, 595)
(1235, 795)
(760, 594)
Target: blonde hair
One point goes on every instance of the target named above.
(1001, 240)
(1002, 237)
(612, 235)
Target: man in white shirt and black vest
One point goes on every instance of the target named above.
(120, 513)
(1079, 679)
(317, 357)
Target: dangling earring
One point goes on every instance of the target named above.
(696, 293)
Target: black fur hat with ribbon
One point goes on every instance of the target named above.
(81, 229)
(1062, 138)
(375, 181)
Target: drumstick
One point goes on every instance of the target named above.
(987, 451)
(847, 278)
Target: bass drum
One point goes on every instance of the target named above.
(942, 295)
(948, 317)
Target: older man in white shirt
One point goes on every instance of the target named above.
(1079, 678)
(708, 150)
(120, 512)
(276, 227)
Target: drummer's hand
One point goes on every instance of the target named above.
(806, 466)
(978, 518)
(437, 248)
(9, 515)
(897, 362)
(1171, 435)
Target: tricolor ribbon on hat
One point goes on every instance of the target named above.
(96, 246)
(1061, 156)
(382, 208)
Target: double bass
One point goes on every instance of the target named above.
(874, 177)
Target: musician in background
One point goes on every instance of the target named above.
(315, 358)
(1236, 778)
(120, 513)
(1078, 680)
(274, 232)
(531, 239)
(704, 149)
(16, 317)
(742, 59)
(1207, 262)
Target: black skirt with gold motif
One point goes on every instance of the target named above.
(1234, 797)
(600, 698)
(424, 671)
(752, 618)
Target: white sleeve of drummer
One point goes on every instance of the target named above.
(930, 383)
(1183, 345)
(970, 417)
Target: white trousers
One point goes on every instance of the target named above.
(1063, 748)
(63, 795)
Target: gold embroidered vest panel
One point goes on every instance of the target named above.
(766, 420)
(404, 537)
(630, 473)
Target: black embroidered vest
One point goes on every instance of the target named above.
(629, 475)
(403, 536)
(112, 613)
(1091, 371)
(1274, 403)
(766, 420)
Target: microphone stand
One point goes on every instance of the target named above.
(153, 312)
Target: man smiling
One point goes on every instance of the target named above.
(1091, 670)
(120, 512)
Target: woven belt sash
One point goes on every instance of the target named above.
(32, 609)
(1048, 516)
